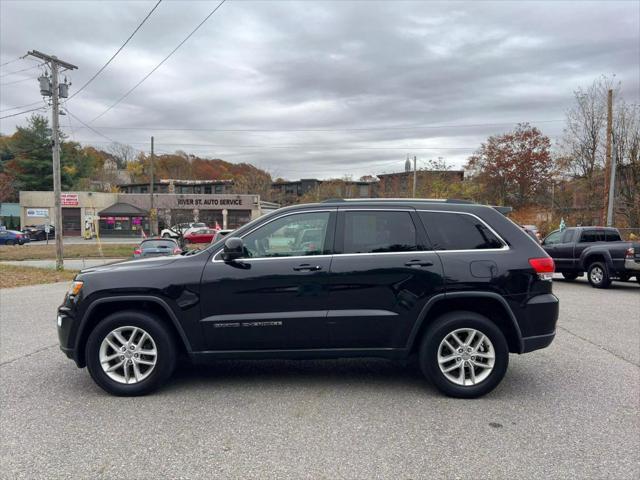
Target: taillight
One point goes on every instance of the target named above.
(137, 251)
(630, 253)
(544, 267)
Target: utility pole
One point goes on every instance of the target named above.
(55, 64)
(415, 175)
(610, 186)
(152, 212)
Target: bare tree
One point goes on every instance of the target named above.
(122, 154)
(584, 141)
(626, 154)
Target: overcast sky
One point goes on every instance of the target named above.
(364, 83)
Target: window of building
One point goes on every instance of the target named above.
(378, 232)
(207, 189)
(458, 231)
(219, 188)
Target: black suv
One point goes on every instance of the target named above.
(459, 285)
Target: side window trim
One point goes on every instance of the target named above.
(505, 245)
(332, 215)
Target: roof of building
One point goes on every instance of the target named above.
(122, 209)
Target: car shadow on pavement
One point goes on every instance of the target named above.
(279, 373)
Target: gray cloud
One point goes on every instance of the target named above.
(324, 65)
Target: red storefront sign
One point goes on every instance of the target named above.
(69, 199)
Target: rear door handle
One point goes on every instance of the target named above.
(419, 263)
(305, 267)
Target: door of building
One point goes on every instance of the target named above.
(71, 224)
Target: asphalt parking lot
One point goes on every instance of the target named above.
(570, 411)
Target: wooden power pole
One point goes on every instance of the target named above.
(610, 177)
(54, 91)
(152, 211)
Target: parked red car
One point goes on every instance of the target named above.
(202, 235)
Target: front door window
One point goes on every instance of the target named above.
(293, 235)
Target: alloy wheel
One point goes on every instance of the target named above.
(596, 274)
(466, 357)
(128, 354)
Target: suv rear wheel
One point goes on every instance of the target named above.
(130, 353)
(464, 354)
(598, 275)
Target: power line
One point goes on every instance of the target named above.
(117, 52)
(302, 146)
(363, 129)
(159, 64)
(12, 61)
(21, 106)
(20, 113)
(22, 70)
(111, 140)
(17, 81)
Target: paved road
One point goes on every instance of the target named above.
(570, 411)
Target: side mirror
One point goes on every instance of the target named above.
(233, 249)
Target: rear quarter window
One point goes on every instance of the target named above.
(458, 231)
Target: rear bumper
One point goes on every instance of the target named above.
(631, 264)
(541, 314)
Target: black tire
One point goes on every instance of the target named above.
(638, 278)
(625, 277)
(439, 330)
(165, 346)
(570, 276)
(598, 275)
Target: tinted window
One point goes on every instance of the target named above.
(456, 231)
(590, 236)
(377, 232)
(612, 236)
(158, 244)
(292, 235)
(553, 238)
(568, 235)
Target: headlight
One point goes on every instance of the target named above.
(76, 286)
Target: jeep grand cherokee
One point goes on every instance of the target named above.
(458, 285)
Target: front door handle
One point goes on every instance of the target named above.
(419, 263)
(305, 267)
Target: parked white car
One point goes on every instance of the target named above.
(183, 228)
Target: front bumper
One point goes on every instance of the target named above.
(66, 326)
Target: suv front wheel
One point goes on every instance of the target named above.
(464, 354)
(130, 353)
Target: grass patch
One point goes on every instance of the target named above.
(48, 252)
(16, 276)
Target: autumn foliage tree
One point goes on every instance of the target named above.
(514, 168)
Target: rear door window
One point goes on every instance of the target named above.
(379, 232)
(591, 236)
(458, 231)
(612, 236)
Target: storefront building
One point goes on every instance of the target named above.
(127, 214)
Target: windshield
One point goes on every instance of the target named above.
(158, 244)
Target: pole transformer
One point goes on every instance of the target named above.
(54, 65)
